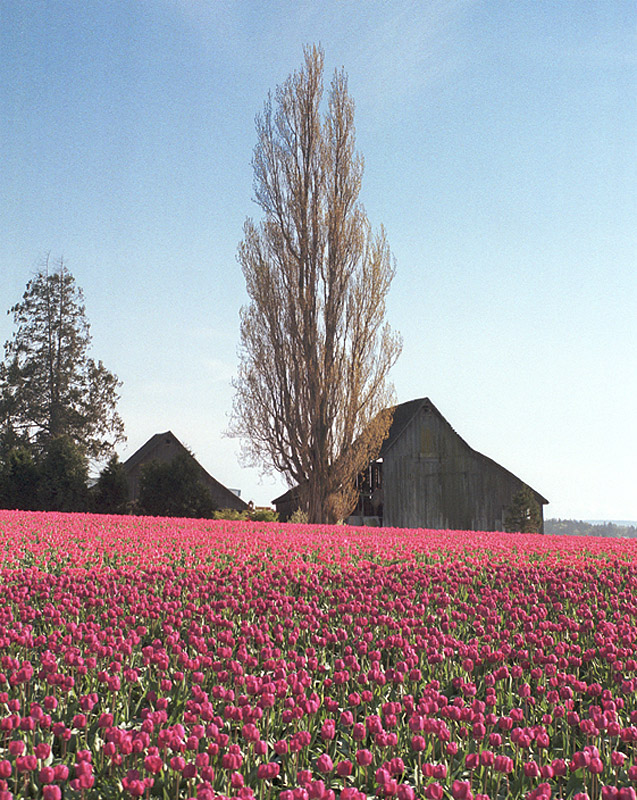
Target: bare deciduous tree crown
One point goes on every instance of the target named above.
(312, 395)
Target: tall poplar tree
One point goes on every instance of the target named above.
(49, 386)
(312, 400)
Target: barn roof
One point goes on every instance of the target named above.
(142, 455)
(145, 454)
(403, 415)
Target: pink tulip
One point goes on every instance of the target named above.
(324, 763)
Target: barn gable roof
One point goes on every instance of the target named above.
(403, 415)
(145, 454)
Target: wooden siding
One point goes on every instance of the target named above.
(427, 476)
(287, 504)
(433, 479)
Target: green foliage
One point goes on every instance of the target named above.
(574, 527)
(264, 515)
(111, 490)
(19, 479)
(298, 517)
(174, 489)
(230, 513)
(524, 515)
(53, 477)
(63, 476)
(49, 387)
(255, 514)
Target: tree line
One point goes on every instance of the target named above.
(57, 479)
(58, 412)
(577, 527)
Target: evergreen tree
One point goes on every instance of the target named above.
(49, 386)
(524, 515)
(19, 479)
(111, 489)
(64, 476)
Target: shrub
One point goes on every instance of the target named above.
(264, 515)
(524, 514)
(230, 513)
(111, 489)
(19, 480)
(64, 476)
(299, 517)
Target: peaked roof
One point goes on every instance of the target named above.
(145, 454)
(139, 456)
(403, 415)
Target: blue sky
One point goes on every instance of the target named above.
(500, 154)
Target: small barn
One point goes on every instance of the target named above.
(427, 476)
(164, 447)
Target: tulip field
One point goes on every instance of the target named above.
(173, 658)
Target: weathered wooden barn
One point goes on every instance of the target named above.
(164, 447)
(427, 476)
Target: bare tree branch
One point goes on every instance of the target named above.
(312, 396)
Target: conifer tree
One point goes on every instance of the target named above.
(110, 494)
(524, 515)
(49, 385)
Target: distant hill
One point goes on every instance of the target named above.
(573, 527)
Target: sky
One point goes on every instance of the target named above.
(500, 153)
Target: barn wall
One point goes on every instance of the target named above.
(285, 508)
(432, 479)
(411, 485)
